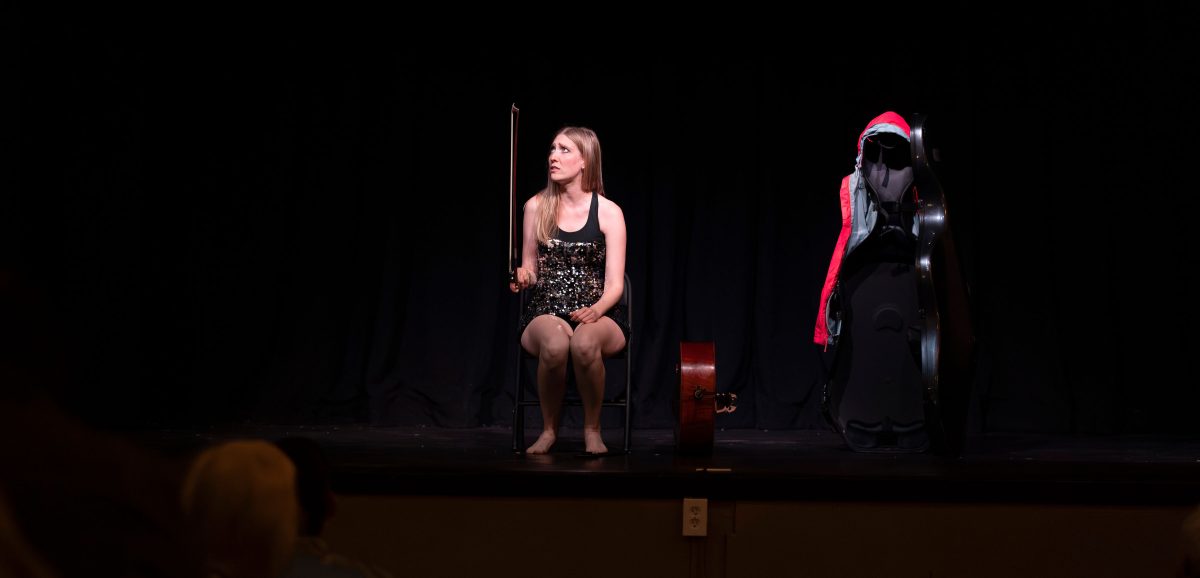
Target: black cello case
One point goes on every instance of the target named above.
(903, 365)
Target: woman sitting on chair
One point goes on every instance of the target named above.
(573, 256)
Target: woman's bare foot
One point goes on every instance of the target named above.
(543, 443)
(593, 443)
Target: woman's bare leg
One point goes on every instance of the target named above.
(590, 345)
(549, 339)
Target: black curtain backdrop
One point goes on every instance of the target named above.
(301, 217)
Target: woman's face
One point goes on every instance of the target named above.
(566, 162)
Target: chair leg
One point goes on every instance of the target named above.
(628, 402)
(518, 420)
(627, 426)
(518, 427)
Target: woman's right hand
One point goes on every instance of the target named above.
(524, 280)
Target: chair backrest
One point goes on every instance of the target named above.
(627, 303)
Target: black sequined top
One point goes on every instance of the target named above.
(570, 274)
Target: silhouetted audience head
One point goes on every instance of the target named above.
(240, 499)
(314, 558)
(313, 488)
(91, 503)
(17, 556)
(84, 502)
(1190, 566)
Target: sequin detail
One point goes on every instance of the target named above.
(570, 277)
(571, 269)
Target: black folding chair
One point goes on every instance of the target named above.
(620, 400)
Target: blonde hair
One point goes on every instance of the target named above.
(592, 180)
(240, 499)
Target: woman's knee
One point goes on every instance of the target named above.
(585, 348)
(554, 350)
(547, 338)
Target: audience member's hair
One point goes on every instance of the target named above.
(240, 498)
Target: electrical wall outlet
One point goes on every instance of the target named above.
(695, 516)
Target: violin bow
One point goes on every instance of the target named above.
(513, 245)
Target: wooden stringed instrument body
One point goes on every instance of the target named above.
(699, 402)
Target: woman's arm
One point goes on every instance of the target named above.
(612, 224)
(527, 272)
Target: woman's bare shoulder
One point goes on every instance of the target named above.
(608, 206)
